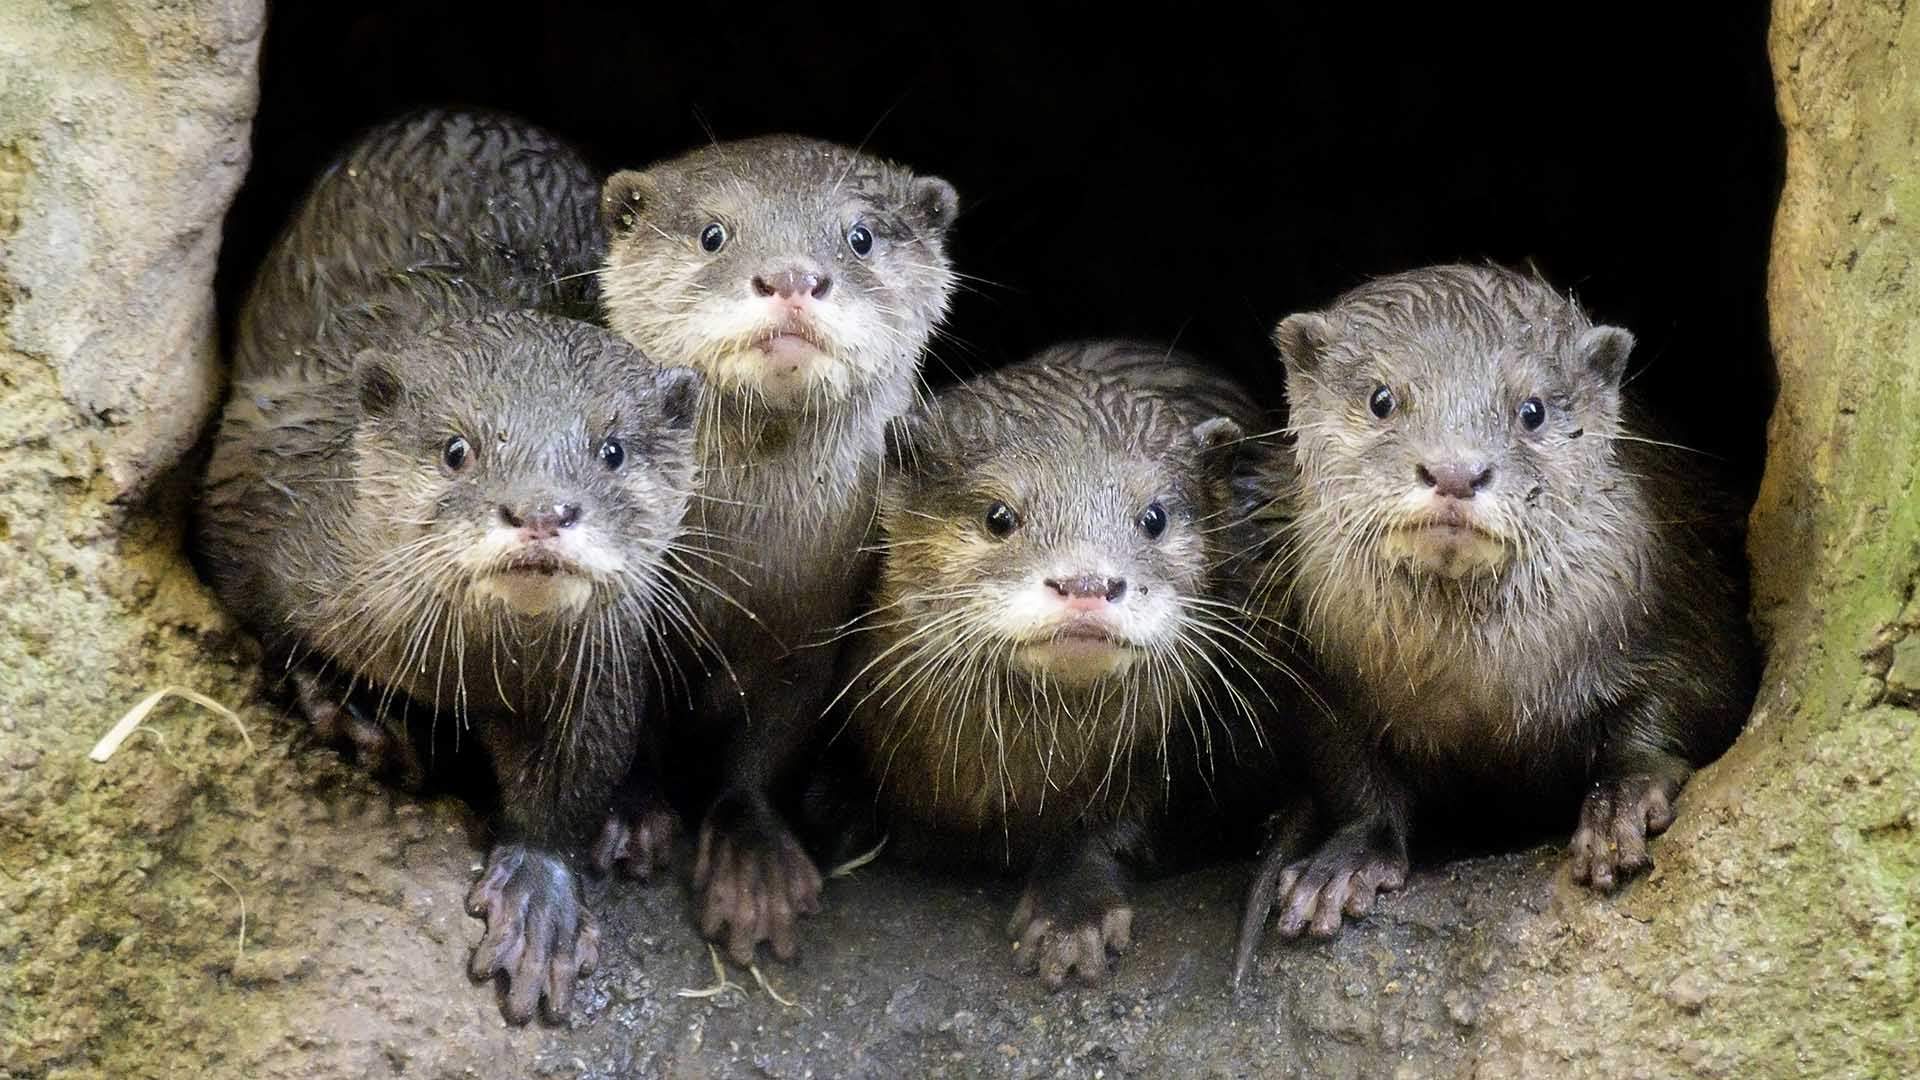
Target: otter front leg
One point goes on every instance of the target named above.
(540, 936)
(1075, 910)
(1368, 809)
(1344, 876)
(638, 833)
(382, 749)
(752, 879)
(1630, 800)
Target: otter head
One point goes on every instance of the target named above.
(1450, 421)
(518, 466)
(1049, 522)
(791, 272)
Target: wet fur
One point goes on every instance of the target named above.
(786, 484)
(1612, 645)
(978, 758)
(397, 310)
(437, 214)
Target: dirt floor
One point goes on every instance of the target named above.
(350, 958)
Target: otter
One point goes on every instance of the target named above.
(422, 493)
(1049, 676)
(802, 280)
(1521, 601)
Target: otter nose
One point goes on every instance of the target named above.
(1455, 479)
(793, 285)
(543, 522)
(1088, 590)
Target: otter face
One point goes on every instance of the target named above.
(792, 271)
(544, 477)
(1040, 522)
(1448, 420)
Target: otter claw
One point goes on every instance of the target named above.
(754, 881)
(1616, 818)
(539, 936)
(639, 844)
(1053, 944)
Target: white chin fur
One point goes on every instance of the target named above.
(784, 374)
(1075, 661)
(533, 594)
(1450, 553)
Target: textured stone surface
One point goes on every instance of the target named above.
(123, 134)
(197, 906)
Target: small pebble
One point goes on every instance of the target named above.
(1687, 992)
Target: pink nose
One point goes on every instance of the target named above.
(543, 522)
(793, 286)
(1087, 592)
(1455, 479)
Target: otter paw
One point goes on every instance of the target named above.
(753, 881)
(1055, 935)
(337, 719)
(639, 841)
(1616, 818)
(1340, 879)
(539, 936)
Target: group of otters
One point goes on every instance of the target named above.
(637, 480)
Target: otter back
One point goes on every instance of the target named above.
(432, 216)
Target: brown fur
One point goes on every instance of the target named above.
(987, 738)
(789, 456)
(1581, 633)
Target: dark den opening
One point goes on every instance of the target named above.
(1186, 178)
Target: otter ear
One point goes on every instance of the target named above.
(1303, 340)
(376, 384)
(624, 200)
(933, 202)
(1221, 443)
(1604, 351)
(679, 390)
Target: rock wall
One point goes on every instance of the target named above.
(123, 134)
(1832, 816)
(210, 905)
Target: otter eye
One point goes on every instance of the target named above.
(1533, 413)
(1153, 520)
(860, 240)
(1001, 520)
(713, 237)
(612, 454)
(1381, 402)
(456, 454)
